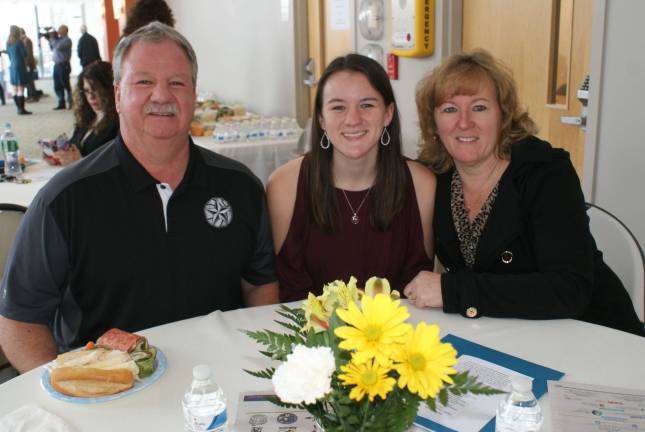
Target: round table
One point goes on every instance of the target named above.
(39, 173)
(584, 352)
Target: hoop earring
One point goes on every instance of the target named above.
(322, 141)
(385, 141)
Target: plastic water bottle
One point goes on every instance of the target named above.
(520, 410)
(11, 153)
(204, 403)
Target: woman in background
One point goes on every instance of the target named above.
(510, 220)
(97, 121)
(18, 70)
(2, 97)
(353, 205)
(33, 94)
(146, 11)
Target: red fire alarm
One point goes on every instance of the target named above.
(393, 66)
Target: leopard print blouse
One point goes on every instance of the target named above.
(468, 233)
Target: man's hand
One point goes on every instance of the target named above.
(258, 295)
(425, 290)
(26, 345)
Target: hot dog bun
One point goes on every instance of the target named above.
(90, 382)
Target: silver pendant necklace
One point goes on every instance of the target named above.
(355, 219)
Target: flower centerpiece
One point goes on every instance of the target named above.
(352, 361)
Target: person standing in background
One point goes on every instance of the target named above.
(146, 11)
(61, 46)
(88, 48)
(32, 93)
(18, 69)
(2, 99)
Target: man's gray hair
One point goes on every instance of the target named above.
(154, 32)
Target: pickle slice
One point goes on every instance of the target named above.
(145, 360)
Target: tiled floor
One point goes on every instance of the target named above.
(43, 123)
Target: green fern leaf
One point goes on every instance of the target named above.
(265, 373)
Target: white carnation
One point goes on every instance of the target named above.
(305, 376)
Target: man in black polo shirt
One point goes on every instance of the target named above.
(150, 229)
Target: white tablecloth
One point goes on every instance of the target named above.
(261, 157)
(23, 194)
(585, 352)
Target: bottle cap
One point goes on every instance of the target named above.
(521, 384)
(201, 372)
(7, 125)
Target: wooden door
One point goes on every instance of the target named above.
(325, 43)
(547, 45)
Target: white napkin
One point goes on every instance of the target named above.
(32, 418)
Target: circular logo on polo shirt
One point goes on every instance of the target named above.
(219, 212)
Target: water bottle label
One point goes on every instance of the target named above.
(10, 145)
(218, 421)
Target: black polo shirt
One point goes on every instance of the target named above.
(93, 251)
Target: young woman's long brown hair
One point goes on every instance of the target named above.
(388, 193)
(14, 35)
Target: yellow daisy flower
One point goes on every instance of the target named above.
(367, 378)
(424, 362)
(376, 331)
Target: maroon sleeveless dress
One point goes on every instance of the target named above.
(310, 258)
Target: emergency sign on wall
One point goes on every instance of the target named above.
(412, 27)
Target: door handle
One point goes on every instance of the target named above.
(572, 120)
(583, 97)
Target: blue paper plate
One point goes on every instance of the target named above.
(160, 362)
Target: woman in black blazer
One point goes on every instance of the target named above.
(510, 220)
(97, 121)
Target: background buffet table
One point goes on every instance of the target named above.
(261, 157)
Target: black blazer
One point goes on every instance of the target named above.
(94, 140)
(88, 49)
(536, 257)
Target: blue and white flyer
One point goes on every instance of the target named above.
(589, 408)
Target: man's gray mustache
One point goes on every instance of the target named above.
(160, 109)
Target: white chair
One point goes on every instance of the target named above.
(10, 217)
(621, 252)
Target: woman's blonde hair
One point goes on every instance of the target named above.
(464, 74)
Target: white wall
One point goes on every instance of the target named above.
(620, 159)
(244, 49)
(256, 67)
(411, 70)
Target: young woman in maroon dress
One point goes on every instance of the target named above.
(353, 205)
